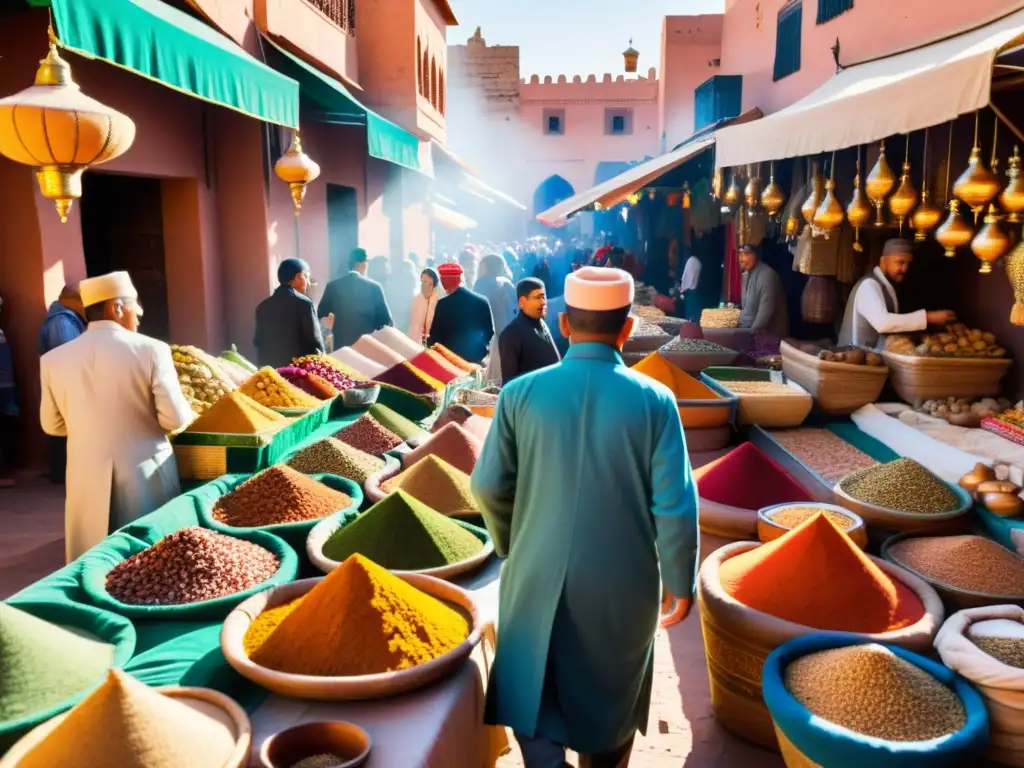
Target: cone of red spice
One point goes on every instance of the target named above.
(435, 366)
(748, 479)
(405, 376)
(816, 576)
(454, 444)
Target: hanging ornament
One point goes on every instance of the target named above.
(296, 169)
(773, 198)
(752, 194)
(830, 213)
(792, 227)
(954, 232)
(858, 212)
(810, 206)
(733, 196)
(60, 131)
(1012, 198)
(977, 186)
(630, 57)
(633, 198)
(686, 194)
(879, 184)
(927, 215)
(991, 243)
(904, 198)
(1015, 274)
(716, 184)
(652, 194)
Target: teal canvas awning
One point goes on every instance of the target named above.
(159, 42)
(329, 101)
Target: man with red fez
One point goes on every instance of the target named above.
(115, 395)
(586, 488)
(462, 319)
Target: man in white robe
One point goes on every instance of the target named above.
(115, 395)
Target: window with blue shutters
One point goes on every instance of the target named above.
(829, 9)
(788, 39)
(718, 98)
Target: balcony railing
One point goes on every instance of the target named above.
(341, 12)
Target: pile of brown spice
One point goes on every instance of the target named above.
(437, 484)
(369, 436)
(973, 563)
(334, 457)
(791, 517)
(278, 495)
(1008, 650)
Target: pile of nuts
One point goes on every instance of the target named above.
(724, 317)
(337, 458)
(961, 412)
(1000, 497)
(190, 566)
(957, 341)
(851, 356)
(369, 436)
(278, 495)
(202, 381)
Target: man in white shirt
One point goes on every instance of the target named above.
(688, 289)
(873, 311)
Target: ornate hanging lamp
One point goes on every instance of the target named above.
(879, 184)
(817, 194)
(60, 131)
(991, 243)
(904, 198)
(858, 212)
(733, 195)
(296, 169)
(977, 186)
(752, 193)
(631, 56)
(927, 215)
(830, 213)
(954, 232)
(1012, 198)
(773, 198)
(716, 184)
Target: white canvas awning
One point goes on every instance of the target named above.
(863, 103)
(471, 182)
(450, 218)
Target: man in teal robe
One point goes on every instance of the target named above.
(586, 488)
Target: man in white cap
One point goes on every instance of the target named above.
(585, 487)
(114, 394)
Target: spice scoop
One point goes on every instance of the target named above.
(326, 744)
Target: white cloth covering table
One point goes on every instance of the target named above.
(440, 726)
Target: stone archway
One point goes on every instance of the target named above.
(553, 190)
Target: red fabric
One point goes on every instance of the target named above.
(748, 479)
(424, 362)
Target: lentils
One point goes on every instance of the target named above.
(643, 327)
(369, 436)
(903, 485)
(871, 690)
(827, 454)
(190, 566)
(772, 388)
(973, 563)
(278, 495)
(1008, 650)
(791, 517)
(335, 457)
(695, 346)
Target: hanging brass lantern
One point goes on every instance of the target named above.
(733, 195)
(60, 131)
(926, 217)
(880, 182)
(630, 57)
(858, 212)
(296, 169)
(991, 243)
(810, 206)
(830, 213)
(792, 227)
(633, 198)
(773, 198)
(716, 184)
(977, 186)
(752, 194)
(904, 198)
(1012, 198)
(954, 232)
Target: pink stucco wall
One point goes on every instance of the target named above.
(689, 47)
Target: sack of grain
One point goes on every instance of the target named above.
(997, 671)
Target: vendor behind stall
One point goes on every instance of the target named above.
(873, 311)
(763, 298)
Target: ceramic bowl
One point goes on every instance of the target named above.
(335, 737)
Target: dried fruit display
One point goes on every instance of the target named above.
(202, 380)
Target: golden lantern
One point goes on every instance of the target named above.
(633, 198)
(879, 184)
(631, 56)
(927, 215)
(858, 212)
(752, 193)
(904, 198)
(296, 169)
(810, 205)
(954, 232)
(792, 227)
(830, 213)
(977, 186)
(686, 195)
(1012, 198)
(716, 184)
(732, 197)
(991, 243)
(772, 198)
(58, 129)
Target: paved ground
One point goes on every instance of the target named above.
(682, 730)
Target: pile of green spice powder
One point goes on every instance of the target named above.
(903, 485)
(395, 422)
(403, 534)
(42, 664)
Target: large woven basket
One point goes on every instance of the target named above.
(738, 639)
(837, 388)
(773, 411)
(917, 379)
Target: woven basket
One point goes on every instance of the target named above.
(773, 411)
(738, 639)
(201, 462)
(818, 302)
(917, 379)
(837, 388)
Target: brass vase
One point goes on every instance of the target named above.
(830, 213)
(925, 217)
(772, 198)
(991, 243)
(858, 212)
(1015, 274)
(880, 182)
(752, 194)
(813, 201)
(904, 198)
(1012, 198)
(954, 232)
(977, 186)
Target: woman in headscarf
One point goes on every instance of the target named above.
(495, 284)
(423, 305)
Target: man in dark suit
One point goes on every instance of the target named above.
(286, 325)
(354, 305)
(462, 320)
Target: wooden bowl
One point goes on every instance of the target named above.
(359, 687)
(204, 700)
(336, 737)
(768, 529)
(896, 520)
(325, 529)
